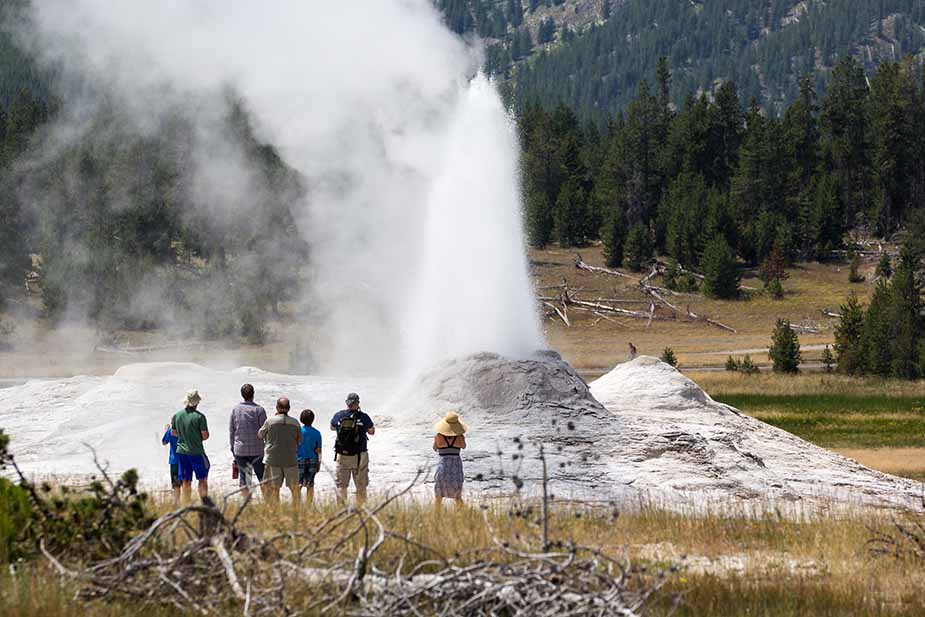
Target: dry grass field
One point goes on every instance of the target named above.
(729, 565)
(593, 345)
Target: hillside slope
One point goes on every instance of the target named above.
(591, 54)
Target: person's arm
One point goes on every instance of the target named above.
(262, 432)
(232, 427)
(372, 427)
(166, 438)
(333, 423)
(204, 429)
(462, 445)
(301, 437)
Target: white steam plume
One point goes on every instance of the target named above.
(413, 212)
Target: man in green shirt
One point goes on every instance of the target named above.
(191, 428)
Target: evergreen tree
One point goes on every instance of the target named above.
(854, 268)
(571, 215)
(849, 333)
(785, 349)
(721, 274)
(637, 250)
(884, 267)
(686, 207)
(547, 30)
(614, 236)
(905, 318)
(515, 13)
(773, 272)
(668, 357)
(876, 339)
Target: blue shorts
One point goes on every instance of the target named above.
(308, 469)
(190, 464)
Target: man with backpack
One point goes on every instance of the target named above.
(352, 459)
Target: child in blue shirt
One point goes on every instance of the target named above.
(171, 440)
(309, 454)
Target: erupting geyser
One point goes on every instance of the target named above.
(408, 156)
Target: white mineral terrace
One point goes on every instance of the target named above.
(641, 433)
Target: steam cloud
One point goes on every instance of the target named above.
(412, 212)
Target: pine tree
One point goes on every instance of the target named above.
(854, 269)
(547, 30)
(668, 357)
(732, 365)
(637, 251)
(571, 215)
(884, 267)
(748, 367)
(849, 332)
(785, 349)
(686, 206)
(876, 338)
(515, 13)
(773, 272)
(721, 274)
(905, 318)
(614, 235)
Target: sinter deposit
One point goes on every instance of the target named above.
(643, 431)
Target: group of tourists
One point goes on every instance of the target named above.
(270, 451)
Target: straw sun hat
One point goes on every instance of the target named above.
(451, 425)
(192, 398)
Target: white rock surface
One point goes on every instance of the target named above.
(641, 432)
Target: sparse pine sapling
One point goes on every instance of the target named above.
(854, 272)
(748, 367)
(884, 267)
(828, 360)
(849, 333)
(785, 349)
(668, 357)
(732, 365)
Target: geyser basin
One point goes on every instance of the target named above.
(641, 431)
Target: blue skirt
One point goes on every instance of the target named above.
(448, 479)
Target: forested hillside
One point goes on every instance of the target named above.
(591, 55)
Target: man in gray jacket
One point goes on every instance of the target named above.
(281, 436)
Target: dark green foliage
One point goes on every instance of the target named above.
(614, 234)
(785, 349)
(854, 269)
(849, 337)
(748, 367)
(15, 515)
(884, 267)
(637, 251)
(877, 346)
(90, 523)
(668, 357)
(888, 339)
(721, 273)
(676, 279)
(732, 365)
(547, 30)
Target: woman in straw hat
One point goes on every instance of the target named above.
(448, 442)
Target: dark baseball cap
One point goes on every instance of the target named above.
(353, 397)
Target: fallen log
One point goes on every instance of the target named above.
(581, 265)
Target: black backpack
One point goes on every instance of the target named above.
(348, 435)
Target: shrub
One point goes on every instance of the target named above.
(785, 348)
(732, 364)
(884, 267)
(668, 357)
(854, 274)
(15, 514)
(775, 289)
(748, 367)
(828, 360)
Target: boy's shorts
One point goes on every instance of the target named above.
(174, 475)
(308, 468)
(190, 464)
